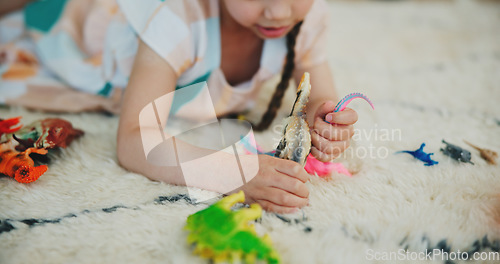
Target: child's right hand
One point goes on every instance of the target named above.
(279, 185)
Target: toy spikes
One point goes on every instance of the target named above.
(222, 234)
(489, 155)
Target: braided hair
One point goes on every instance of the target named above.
(277, 98)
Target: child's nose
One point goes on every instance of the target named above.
(278, 9)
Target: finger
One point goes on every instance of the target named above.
(321, 156)
(292, 169)
(281, 197)
(345, 117)
(272, 207)
(327, 146)
(291, 185)
(332, 132)
(324, 109)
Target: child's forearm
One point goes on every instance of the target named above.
(210, 173)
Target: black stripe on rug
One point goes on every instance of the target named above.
(6, 226)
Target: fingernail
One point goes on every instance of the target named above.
(329, 118)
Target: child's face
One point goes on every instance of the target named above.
(268, 18)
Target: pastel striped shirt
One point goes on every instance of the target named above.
(187, 35)
(90, 45)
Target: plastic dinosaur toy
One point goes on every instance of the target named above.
(489, 155)
(47, 133)
(295, 143)
(421, 155)
(222, 234)
(7, 126)
(457, 153)
(13, 163)
(19, 165)
(312, 165)
(17, 143)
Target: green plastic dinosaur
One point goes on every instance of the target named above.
(222, 234)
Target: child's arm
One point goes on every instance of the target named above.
(278, 186)
(330, 132)
(151, 78)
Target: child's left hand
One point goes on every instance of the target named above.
(331, 132)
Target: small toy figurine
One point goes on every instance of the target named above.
(295, 143)
(16, 145)
(489, 155)
(6, 125)
(322, 169)
(457, 153)
(19, 165)
(47, 133)
(342, 104)
(421, 155)
(222, 234)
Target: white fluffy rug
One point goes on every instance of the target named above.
(432, 71)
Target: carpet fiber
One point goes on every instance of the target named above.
(431, 70)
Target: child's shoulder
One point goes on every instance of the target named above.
(175, 29)
(311, 44)
(319, 12)
(187, 11)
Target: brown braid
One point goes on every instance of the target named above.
(277, 98)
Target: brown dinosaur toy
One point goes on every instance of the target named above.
(489, 155)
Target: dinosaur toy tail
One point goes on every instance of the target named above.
(473, 146)
(342, 104)
(489, 155)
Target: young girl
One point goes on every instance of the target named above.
(256, 39)
(233, 45)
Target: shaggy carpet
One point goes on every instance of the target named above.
(430, 68)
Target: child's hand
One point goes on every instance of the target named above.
(279, 186)
(331, 132)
